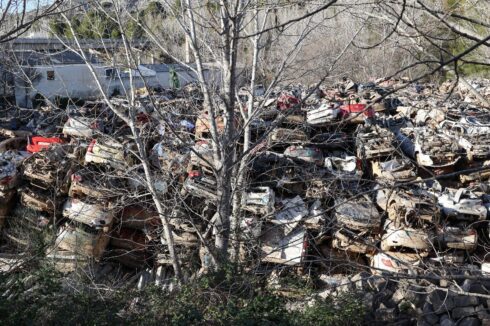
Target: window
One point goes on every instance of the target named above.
(110, 72)
(50, 74)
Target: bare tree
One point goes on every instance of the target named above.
(18, 16)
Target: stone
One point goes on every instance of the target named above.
(460, 312)
(385, 314)
(465, 301)
(441, 301)
(377, 283)
(325, 293)
(473, 287)
(360, 280)
(485, 322)
(402, 322)
(383, 299)
(399, 295)
(446, 321)
(407, 293)
(406, 306)
(429, 314)
(470, 321)
(467, 285)
(368, 300)
(482, 312)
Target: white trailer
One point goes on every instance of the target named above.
(75, 81)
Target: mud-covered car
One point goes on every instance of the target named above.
(430, 148)
(9, 175)
(357, 214)
(359, 242)
(477, 146)
(270, 165)
(283, 136)
(49, 169)
(330, 140)
(343, 166)
(39, 200)
(139, 217)
(11, 158)
(408, 204)
(16, 144)
(284, 249)
(289, 213)
(81, 241)
(90, 183)
(394, 171)
(374, 142)
(6, 204)
(91, 214)
(130, 239)
(169, 158)
(202, 185)
(481, 174)
(475, 140)
(202, 155)
(137, 182)
(305, 153)
(203, 126)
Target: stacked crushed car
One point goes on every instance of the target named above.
(344, 180)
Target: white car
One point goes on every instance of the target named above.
(395, 262)
(326, 113)
(462, 204)
(399, 235)
(108, 152)
(82, 127)
(343, 166)
(94, 215)
(259, 200)
(458, 237)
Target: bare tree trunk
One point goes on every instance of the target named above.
(247, 116)
(142, 155)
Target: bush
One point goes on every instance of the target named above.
(238, 300)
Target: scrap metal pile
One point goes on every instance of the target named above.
(343, 181)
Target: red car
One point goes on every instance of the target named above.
(286, 101)
(356, 112)
(38, 143)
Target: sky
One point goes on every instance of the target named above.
(18, 5)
